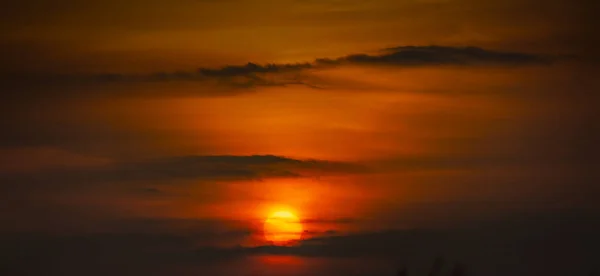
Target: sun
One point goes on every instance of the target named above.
(282, 227)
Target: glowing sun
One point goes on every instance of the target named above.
(282, 227)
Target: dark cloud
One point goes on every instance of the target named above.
(396, 56)
(439, 55)
(217, 167)
(526, 242)
(278, 74)
(552, 244)
(330, 221)
(254, 166)
(252, 68)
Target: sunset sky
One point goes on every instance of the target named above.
(157, 137)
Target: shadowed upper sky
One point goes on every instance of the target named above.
(156, 137)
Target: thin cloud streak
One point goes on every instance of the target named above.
(253, 74)
(216, 167)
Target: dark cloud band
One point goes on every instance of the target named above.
(214, 167)
(252, 74)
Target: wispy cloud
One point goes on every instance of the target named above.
(214, 167)
(438, 55)
(252, 68)
(280, 74)
(252, 74)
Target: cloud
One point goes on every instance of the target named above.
(497, 247)
(233, 166)
(213, 167)
(397, 56)
(521, 241)
(330, 221)
(439, 55)
(252, 68)
(281, 74)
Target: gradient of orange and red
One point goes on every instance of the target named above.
(157, 138)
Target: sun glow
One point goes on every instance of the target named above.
(282, 227)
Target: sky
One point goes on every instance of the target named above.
(157, 137)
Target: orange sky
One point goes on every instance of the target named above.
(427, 136)
(152, 137)
(360, 116)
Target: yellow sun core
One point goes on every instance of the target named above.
(282, 227)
